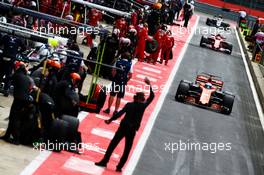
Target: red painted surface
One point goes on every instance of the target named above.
(233, 7)
(54, 163)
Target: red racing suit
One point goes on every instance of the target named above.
(159, 36)
(141, 44)
(167, 48)
(94, 16)
(133, 19)
(121, 24)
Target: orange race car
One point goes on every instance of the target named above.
(206, 92)
(217, 42)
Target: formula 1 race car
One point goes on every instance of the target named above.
(217, 42)
(217, 22)
(206, 92)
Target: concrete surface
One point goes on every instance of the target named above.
(178, 122)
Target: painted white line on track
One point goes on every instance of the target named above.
(151, 69)
(82, 115)
(37, 162)
(148, 73)
(143, 138)
(103, 133)
(137, 81)
(252, 85)
(106, 118)
(143, 77)
(103, 151)
(154, 66)
(83, 166)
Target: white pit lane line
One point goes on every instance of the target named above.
(144, 137)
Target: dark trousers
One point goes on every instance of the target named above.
(120, 134)
(186, 20)
(6, 68)
(14, 125)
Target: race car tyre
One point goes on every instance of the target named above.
(151, 46)
(208, 22)
(182, 91)
(58, 133)
(73, 122)
(228, 47)
(227, 106)
(202, 41)
(73, 135)
(225, 25)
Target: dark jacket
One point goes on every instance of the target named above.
(134, 113)
(23, 85)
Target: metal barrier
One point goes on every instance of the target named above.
(248, 3)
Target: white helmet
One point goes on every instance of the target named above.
(116, 32)
(3, 19)
(208, 85)
(125, 41)
(33, 4)
(134, 31)
(69, 17)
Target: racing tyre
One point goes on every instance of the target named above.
(225, 26)
(230, 48)
(182, 91)
(208, 22)
(151, 46)
(228, 101)
(58, 133)
(202, 41)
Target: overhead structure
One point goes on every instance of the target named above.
(53, 19)
(31, 34)
(102, 8)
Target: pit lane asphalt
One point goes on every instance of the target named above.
(177, 121)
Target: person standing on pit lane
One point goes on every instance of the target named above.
(129, 125)
(187, 12)
(167, 46)
(119, 81)
(23, 86)
(11, 47)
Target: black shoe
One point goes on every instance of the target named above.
(115, 112)
(107, 111)
(118, 169)
(4, 137)
(101, 163)
(6, 93)
(12, 141)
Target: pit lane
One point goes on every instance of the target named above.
(190, 124)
